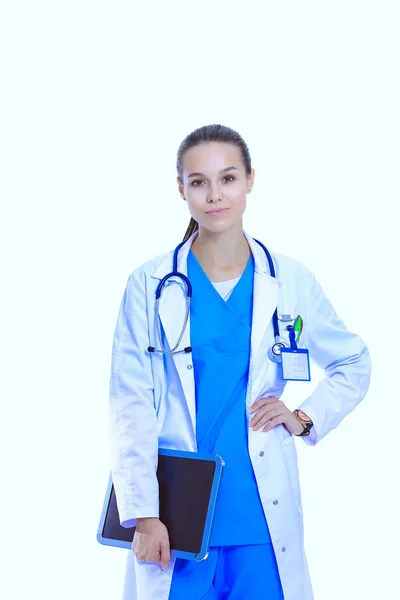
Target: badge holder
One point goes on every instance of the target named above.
(295, 361)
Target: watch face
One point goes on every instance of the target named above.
(303, 415)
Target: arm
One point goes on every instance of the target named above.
(344, 358)
(132, 415)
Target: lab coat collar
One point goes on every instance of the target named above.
(173, 306)
(260, 260)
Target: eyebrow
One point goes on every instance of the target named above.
(221, 171)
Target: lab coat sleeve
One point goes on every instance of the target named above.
(132, 415)
(342, 355)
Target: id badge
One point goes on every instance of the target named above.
(295, 364)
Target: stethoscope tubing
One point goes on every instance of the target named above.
(274, 352)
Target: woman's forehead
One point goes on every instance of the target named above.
(210, 157)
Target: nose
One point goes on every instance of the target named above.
(214, 193)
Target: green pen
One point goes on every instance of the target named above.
(298, 327)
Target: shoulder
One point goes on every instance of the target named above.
(148, 268)
(288, 268)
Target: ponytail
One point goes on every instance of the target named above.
(192, 228)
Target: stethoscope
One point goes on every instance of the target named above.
(274, 352)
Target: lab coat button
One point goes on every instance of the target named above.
(275, 502)
(284, 549)
(190, 367)
(261, 453)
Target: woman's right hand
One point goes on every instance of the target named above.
(151, 542)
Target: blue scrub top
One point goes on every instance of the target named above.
(220, 335)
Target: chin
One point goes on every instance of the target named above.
(220, 227)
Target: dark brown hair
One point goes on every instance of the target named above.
(210, 133)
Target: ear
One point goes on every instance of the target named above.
(250, 181)
(180, 188)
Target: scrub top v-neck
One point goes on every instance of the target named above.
(220, 335)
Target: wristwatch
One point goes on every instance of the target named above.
(304, 420)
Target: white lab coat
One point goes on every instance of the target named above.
(152, 402)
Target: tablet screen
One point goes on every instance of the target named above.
(185, 487)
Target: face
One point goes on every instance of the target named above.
(215, 185)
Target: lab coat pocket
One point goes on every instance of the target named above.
(292, 469)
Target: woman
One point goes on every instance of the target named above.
(173, 401)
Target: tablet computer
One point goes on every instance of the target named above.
(188, 490)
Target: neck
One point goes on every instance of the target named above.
(226, 250)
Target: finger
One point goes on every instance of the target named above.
(153, 550)
(264, 421)
(265, 415)
(135, 542)
(141, 556)
(272, 404)
(141, 545)
(141, 552)
(154, 556)
(139, 541)
(165, 553)
(273, 423)
(258, 416)
(267, 419)
(262, 402)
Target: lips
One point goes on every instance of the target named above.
(220, 211)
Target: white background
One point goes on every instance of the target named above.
(95, 98)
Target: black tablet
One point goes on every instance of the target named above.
(188, 489)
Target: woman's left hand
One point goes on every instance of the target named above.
(271, 412)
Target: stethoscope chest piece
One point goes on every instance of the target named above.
(274, 352)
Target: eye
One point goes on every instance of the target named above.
(197, 182)
(230, 177)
